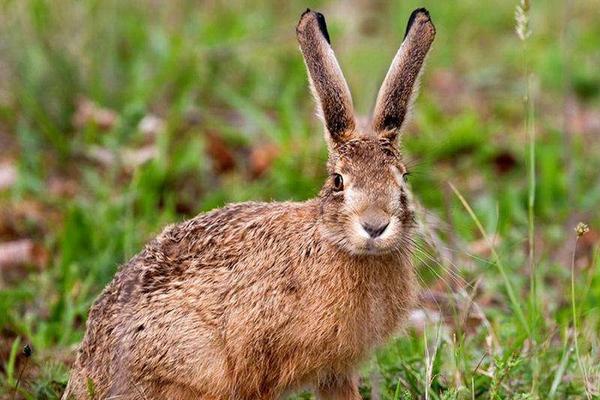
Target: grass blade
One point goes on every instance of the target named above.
(509, 289)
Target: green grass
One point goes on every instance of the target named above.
(493, 331)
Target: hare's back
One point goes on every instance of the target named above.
(221, 247)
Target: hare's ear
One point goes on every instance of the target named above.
(326, 79)
(400, 84)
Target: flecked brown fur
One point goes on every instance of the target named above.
(256, 300)
(402, 79)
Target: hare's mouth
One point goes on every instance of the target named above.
(373, 248)
(364, 243)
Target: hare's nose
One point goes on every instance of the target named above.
(375, 230)
(374, 222)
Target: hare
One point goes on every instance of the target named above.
(258, 300)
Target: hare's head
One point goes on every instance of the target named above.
(365, 202)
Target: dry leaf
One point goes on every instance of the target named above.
(133, 158)
(219, 152)
(151, 125)
(62, 187)
(25, 218)
(260, 159)
(130, 158)
(8, 175)
(88, 112)
(101, 155)
(20, 253)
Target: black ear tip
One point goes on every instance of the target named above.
(322, 26)
(320, 22)
(416, 12)
(413, 17)
(421, 10)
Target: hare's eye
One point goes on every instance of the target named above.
(338, 182)
(405, 176)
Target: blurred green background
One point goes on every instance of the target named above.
(117, 118)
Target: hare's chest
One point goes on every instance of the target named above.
(386, 305)
(382, 313)
(364, 316)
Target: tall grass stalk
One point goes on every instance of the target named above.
(580, 230)
(523, 31)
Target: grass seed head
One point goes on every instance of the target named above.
(522, 19)
(581, 229)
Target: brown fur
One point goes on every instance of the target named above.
(326, 79)
(396, 93)
(256, 300)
